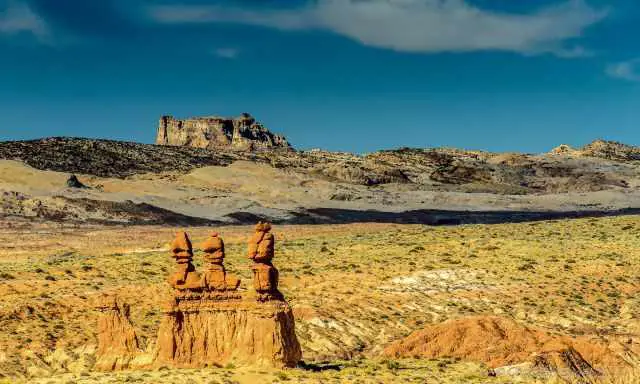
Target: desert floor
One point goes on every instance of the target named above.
(354, 288)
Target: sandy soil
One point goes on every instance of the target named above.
(355, 289)
(217, 193)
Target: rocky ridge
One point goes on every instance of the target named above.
(109, 158)
(132, 183)
(602, 149)
(598, 166)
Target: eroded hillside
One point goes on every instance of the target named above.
(139, 183)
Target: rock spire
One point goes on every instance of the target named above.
(208, 320)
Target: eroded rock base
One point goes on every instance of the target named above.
(198, 333)
(208, 321)
(117, 340)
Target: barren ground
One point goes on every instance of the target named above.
(355, 289)
(245, 191)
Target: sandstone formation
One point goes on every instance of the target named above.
(215, 277)
(208, 322)
(185, 276)
(265, 275)
(206, 330)
(186, 279)
(117, 341)
(241, 133)
(506, 346)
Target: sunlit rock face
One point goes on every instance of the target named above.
(117, 340)
(239, 133)
(209, 320)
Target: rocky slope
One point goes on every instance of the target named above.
(241, 133)
(142, 183)
(598, 166)
(609, 150)
(505, 345)
(108, 158)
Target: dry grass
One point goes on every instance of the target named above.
(631, 376)
(355, 289)
(626, 376)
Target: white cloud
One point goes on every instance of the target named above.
(626, 70)
(415, 25)
(226, 53)
(19, 18)
(574, 52)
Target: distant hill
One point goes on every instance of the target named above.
(442, 169)
(108, 158)
(562, 170)
(609, 150)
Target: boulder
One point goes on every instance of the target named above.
(73, 182)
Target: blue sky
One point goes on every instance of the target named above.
(352, 75)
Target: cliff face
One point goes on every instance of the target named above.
(201, 331)
(117, 341)
(241, 133)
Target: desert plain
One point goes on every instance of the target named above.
(355, 289)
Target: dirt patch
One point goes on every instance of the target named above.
(442, 280)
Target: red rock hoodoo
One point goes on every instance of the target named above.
(185, 276)
(265, 275)
(208, 321)
(215, 277)
(117, 341)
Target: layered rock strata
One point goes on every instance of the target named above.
(209, 322)
(265, 275)
(241, 133)
(212, 330)
(117, 340)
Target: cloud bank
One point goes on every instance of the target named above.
(414, 25)
(19, 18)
